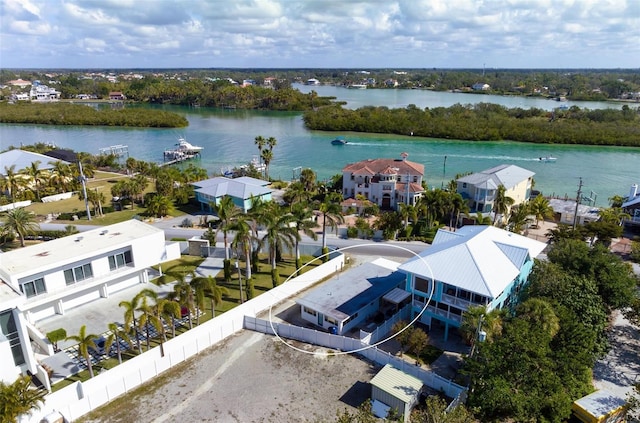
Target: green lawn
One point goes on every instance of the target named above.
(185, 265)
(102, 181)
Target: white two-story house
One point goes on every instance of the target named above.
(475, 265)
(385, 182)
(479, 189)
(49, 278)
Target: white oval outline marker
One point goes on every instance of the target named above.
(368, 346)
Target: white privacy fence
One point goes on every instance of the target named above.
(343, 343)
(57, 197)
(80, 398)
(381, 331)
(16, 205)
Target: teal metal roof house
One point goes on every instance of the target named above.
(476, 265)
(241, 190)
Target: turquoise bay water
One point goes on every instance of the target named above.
(228, 140)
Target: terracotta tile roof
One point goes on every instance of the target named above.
(365, 171)
(390, 171)
(413, 187)
(379, 165)
(352, 202)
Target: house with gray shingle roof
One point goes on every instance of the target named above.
(241, 190)
(479, 189)
(385, 182)
(476, 265)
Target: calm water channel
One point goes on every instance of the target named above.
(228, 140)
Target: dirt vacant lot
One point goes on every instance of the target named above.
(250, 377)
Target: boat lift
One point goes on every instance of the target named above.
(115, 150)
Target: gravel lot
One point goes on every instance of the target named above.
(250, 377)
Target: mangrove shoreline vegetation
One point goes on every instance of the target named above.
(487, 122)
(75, 114)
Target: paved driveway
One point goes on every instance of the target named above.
(620, 369)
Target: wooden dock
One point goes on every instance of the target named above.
(174, 157)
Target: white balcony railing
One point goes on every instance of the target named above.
(457, 302)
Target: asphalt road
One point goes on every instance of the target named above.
(355, 246)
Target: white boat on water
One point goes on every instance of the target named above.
(547, 159)
(188, 148)
(358, 86)
(256, 163)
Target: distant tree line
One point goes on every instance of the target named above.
(486, 121)
(574, 84)
(73, 114)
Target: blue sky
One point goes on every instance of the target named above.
(320, 33)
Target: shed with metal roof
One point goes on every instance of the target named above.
(395, 389)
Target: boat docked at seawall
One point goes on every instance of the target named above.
(357, 86)
(547, 159)
(183, 150)
(257, 164)
(186, 147)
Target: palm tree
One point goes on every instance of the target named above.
(153, 314)
(480, 219)
(227, 212)
(159, 206)
(541, 209)
(19, 398)
(308, 179)
(61, 176)
(332, 217)
(96, 198)
(206, 287)
(260, 141)
(613, 215)
(116, 335)
(540, 314)
(182, 292)
(457, 205)
(267, 155)
(476, 319)
(84, 343)
(146, 318)
(258, 216)
(13, 181)
(501, 203)
(20, 222)
(519, 217)
(616, 200)
(278, 234)
(408, 212)
(302, 219)
(37, 176)
(168, 309)
(242, 242)
(130, 320)
(296, 193)
(138, 184)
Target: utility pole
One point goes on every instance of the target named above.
(575, 214)
(84, 189)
